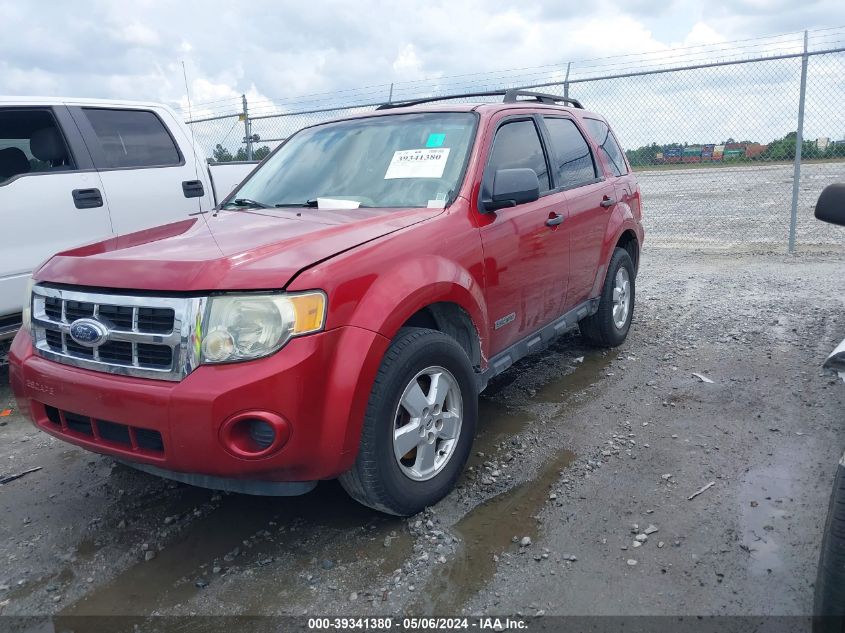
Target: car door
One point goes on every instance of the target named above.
(50, 196)
(590, 197)
(526, 256)
(148, 181)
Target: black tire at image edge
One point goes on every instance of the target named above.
(829, 609)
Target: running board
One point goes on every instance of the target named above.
(536, 342)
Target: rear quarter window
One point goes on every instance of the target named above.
(572, 160)
(608, 146)
(132, 138)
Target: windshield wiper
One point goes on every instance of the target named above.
(308, 204)
(246, 203)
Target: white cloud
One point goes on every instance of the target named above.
(137, 34)
(408, 65)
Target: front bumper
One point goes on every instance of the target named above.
(318, 384)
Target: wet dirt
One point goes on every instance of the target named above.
(245, 532)
(586, 373)
(486, 533)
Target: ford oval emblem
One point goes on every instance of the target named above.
(88, 332)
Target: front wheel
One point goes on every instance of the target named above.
(418, 427)
(609, 326)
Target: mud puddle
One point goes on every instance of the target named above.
(488, 531)
(586, 373)
(766, 499)
(276, 534)
(497, 423)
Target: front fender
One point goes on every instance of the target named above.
(396, 294)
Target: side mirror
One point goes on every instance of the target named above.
(831, 205)
(512, 187)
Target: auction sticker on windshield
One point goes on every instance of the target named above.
(418, 163)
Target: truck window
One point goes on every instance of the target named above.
(607, 145)
(572, 160)
(517, 145)
(132, 138)
(30, 142)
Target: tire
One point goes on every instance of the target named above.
(829, 607)
(403, 486)
(601, 329)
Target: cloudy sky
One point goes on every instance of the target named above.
(279, 49)
(275, 50)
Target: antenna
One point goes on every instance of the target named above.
(193, 141)
(200, 212)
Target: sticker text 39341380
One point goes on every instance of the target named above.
(418, 163)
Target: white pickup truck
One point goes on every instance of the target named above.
(74, 171)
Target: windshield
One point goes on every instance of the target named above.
(402, 160)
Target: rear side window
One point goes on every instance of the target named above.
(517, 145)
(607, 145)
(31, 142)
(572, 160)
(132, 138)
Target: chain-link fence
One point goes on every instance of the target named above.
(716, 140)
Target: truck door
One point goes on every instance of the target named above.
(149, 180)
(50, 197)
(526, 248)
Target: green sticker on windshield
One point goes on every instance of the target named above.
(435, 140)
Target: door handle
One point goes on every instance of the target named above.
(193, 189)
(554, 219)
(87, 198)
(607, 202)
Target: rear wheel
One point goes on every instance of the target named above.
(609, 326)
(419, 425)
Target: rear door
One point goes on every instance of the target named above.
(590, 197)
(50, 196)
(526, 258)
(616, 164)
(148, 180)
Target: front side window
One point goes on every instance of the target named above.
(572, 160)
(30, 142)
(517, 145)
(397, 160)
(608, 146)
(132, 138)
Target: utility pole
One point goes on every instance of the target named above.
(247, 128)
(799, 146)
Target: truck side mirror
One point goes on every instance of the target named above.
(831, 204)
(512, 187)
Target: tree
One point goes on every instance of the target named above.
(257, 154)
(221, 154)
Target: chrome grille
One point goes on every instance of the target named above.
(149, 337)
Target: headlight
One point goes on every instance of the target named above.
(243, 327)
(26, 316)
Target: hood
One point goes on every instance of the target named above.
(242, 249)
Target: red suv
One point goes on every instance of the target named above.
(338, 315)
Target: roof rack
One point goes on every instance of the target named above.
(510, 96)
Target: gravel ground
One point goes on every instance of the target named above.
(575, 502)
(743, 206)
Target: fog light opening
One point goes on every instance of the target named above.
(262, 433)
(254, 434)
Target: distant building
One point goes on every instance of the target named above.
(822, 142)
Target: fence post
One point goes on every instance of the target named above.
(566, 81)
(799, 146)
(247, 129)
(390, 96)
